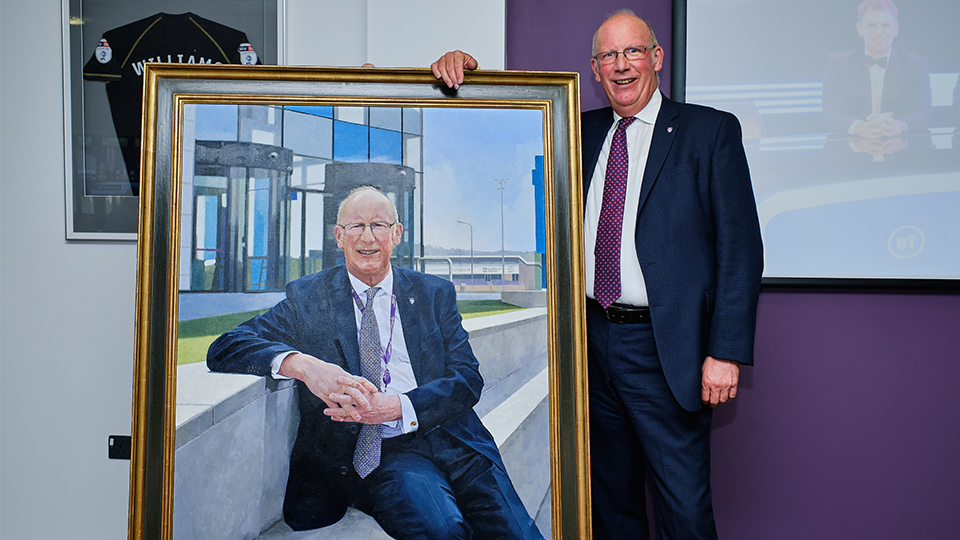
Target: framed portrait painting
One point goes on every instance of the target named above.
(243, 172)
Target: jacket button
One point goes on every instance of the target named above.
(354, 429)
(343, 470)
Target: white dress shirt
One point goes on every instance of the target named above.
(633, 291)
(402, 379)
(877, 75)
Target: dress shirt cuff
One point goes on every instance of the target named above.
(408, 420)
(275, 365)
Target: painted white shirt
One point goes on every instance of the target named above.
(402, 379)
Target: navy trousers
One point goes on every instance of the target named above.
(436, 487)
(635, 421)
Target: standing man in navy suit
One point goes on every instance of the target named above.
(877, 91)
(405, 445)
(686, 279)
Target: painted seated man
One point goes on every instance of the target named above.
(387, 382)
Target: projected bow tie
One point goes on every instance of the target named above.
(871, 61)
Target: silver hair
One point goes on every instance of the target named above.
(624, 11)
(359, 189)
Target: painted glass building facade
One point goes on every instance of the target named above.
(261, 185)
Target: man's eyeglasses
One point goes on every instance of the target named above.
(630, 53)
(378, 228)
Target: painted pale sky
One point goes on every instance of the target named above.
(464, 152)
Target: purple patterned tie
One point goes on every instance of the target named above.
(366, 457)
(606, 285)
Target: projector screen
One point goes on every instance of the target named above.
(855, 178)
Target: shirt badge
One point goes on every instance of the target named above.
(248, 56)
(104, 52)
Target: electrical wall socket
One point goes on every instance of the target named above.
(118, 447)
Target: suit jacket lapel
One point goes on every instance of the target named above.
(408, 304)
(341, 300)
(664, 133)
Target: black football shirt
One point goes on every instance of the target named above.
(122, 52)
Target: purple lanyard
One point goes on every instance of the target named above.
(388, 351)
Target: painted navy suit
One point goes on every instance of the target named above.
(699, 247)
(317, 318)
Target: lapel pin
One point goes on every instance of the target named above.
(669, 129)
(412, 300)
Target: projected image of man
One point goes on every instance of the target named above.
(877, 91)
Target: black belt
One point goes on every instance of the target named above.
(621, 314)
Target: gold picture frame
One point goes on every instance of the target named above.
(172, 266)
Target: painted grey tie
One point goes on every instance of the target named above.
(366, 457)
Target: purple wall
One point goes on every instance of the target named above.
(849, 425)
(558, 35)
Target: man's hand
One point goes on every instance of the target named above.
(330, 383)
(383, 408)
(879, 147)
(720, 379)
(450, 67)
(879, 125)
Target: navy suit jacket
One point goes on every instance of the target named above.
(847, 95)
(317, 318)
(697, 237)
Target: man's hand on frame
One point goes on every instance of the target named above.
(450, 67)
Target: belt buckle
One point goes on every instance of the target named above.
(613, 316)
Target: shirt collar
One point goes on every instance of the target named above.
(648, 114)
(887, 56)
(361, 288)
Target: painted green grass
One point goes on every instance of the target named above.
(191, 350)
(214, 326)
(481, 308)
(195, 336)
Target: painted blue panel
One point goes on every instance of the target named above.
(540, 204)
(385, 146)
(386, 118)
(350, 142)
(308, 135)
(217, 122)
(211, 206)
(326, 112)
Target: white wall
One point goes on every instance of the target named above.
(387, 33)
(66, 312)
(67, 309)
